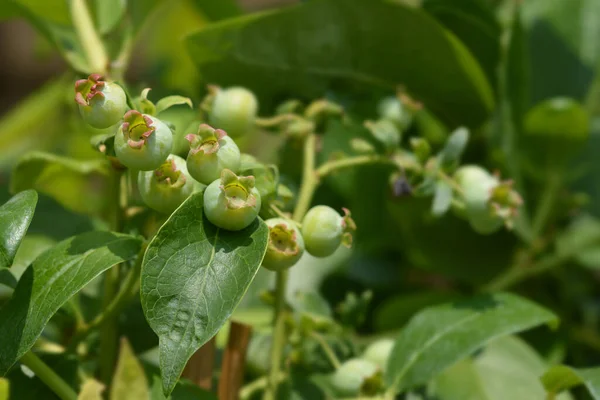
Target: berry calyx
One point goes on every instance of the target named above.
(233, 110)
(165, 188)
(101, 103)
(211, 151)
(143, 142)
(355, 377)
(285, 247)
(232, 202)
(324, 229)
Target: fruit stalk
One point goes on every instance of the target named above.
(48, 376)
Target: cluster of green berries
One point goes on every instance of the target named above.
(144, 143)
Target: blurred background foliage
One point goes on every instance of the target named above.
(479, 63)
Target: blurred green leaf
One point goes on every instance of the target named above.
(51, 281)
(518, 71)
(15, 217)
(315, 46)
(193, 276)
(449, 156)
(562, 377)
(91, 389)
(4, 389)
(184, 390)
(439, 336)
(442, 199)
(581, 239)
(474, 23)
(7, 278)
(507, 368)
(80, 186)
(129, 381)
(33, 123)
(216, 10)
(109, 13)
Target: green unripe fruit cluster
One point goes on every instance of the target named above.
(165, 188)
(392, 109)
(349, 379)
(101, 104)
(324, 229)
(285, 247)
(143, 142)
(211, 151)
(477, 185)
(232, 202)
(234, 110)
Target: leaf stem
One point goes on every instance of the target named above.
(327, 349)
(332, 166)
(93, 47)
(48, 376)
(519, 272)
(248, 390)
(546, 204)
(309, 179)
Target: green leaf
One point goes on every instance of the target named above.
(7, 278)
(581, 240)
(4, 389)
(80, 186)
(35, 121)
(507, 368)
(170, 101)
(109, 13)
(15, 217)
(440, 336)
(562, 377)
(91, 389)
(193, 276)
(319, 45)
(455, 146)
(474, 23)
(53, 278)
(442, 199)
(129, 381)
(518, 67)
(184, 390)
(216, 10)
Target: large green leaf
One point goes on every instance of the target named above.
(307, 49)
(80, 186)
(440, 336)
(15, 217)
(474, 23)
(507, 368)
(193, 276)
(562, 377)
(216, 10)
(53, 278)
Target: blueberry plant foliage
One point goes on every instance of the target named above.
(413, 177)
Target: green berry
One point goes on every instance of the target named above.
(234, 110)
(165, 188)
(232, 202)
(143, 142)
(324, 229)
(350, 378)
(101, 103)
(386, 132)
(285, 247)
(379, 352)
(477, 185)
(211, 151)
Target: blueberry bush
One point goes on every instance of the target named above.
(417, 179)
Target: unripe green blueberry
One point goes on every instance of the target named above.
(165, 188)
(379, 352)
(392, 109)
(324, 229)
(101, 103)
(211, 151)
(143, 142)
(285, 247)
(232, 202)
(477, 185)
(349, 378)
(386, 132)
(234, 110)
